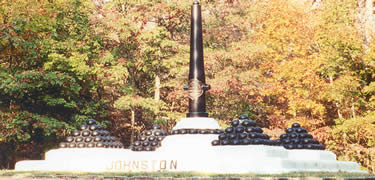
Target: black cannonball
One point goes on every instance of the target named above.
(242, 135)
(81, 145)
(302, 135)
(296, 125)
(289, 146)
(295, 141)
(174, 131)
(212, 131)
(148, 148)
(258, 129)
(63, 145)
(76, 133)
(284, 136)
(314, 141)
(98, 138)
(90, 145)
(160, 138)
(137, 143)
(245, 141)
(253, 135)
(182, 131)
(72, 145)
(104, 138)
(308, 146)
(93, 127)
(88, 139)
(306, 141)
(157, 133)
(99, 127)
(187, 131)
(91, 121)
(146, 143)
(289, 130)
(252, 123)
(148, 133)
(286, 141)
(321, 146)
(219, 131)
(235, 123)
(229, 130)
(143, 138)
(299, 146)
(309, 136)
(100, 144)
(155, 126)
(154, 143)
(257, 141)
(151, 138)
(243, 117)
(222, 136)
(245, 123)
(85, 133)
(193, 131)
(301, 130)
(215, 142)
(277, 142)
(106, 144)
(225, 142)
(139, 148)
(203, 131)
(79, 139)
(293, 135)
(235, 142)
(113, 138)
(250, 129)
(265, 136)
(231, 136)
(105, 133)
(69, 139)
(239, 129)
(83, 127)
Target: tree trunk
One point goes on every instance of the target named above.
(132, 126)
(336, 101)
(366, 22)
(157, 88)
(353, 108)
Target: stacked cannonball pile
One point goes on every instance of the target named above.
(243, 132)
(298, 138)
(91, 135)
(150, 141)
(196, 131)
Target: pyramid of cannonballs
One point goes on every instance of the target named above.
(297, 137)
(91, 135)
(150, 140)
(243, 132)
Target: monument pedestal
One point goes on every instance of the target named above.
(191, 152)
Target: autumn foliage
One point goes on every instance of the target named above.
(124, 63)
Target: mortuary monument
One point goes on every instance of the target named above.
(196, 143)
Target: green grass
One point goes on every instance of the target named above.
(177, 174)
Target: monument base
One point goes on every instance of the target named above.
(191, 152)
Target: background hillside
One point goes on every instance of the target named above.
(124, 63)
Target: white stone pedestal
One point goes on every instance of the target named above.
(191, 152)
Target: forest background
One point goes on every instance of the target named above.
(124, 63)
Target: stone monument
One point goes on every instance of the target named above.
(196, 143)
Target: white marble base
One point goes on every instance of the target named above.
(191, 152)
(197, 123)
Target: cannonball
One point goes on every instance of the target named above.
(245, 123)
(212, 131)
(229, 130)
(95, 133)
(72, 145)
(99, 127)
(151, 138)
(100, 144)
(85, 133)
(182, 131)
(295, 140)
(289, 130)
(265, 136)
(93, 127)
(137, 143)
(293, 135)
(245, 141)
(203, 131)
(76, 133)
(306, 141)
(88, 139)
(308, 146)
(231, 136)
(148, 133)
(284, 136)
(139, 148)
(219, 131)
(242, 135)
(105, 132)
(174, 132)
(321, 146)
(309, 136)
(155, 126)
(91, 121)
(239, 129)
(258, 130)
(81, 145)
(257, 141)
(154, 143)
(235, 142)
(286, 141)
(215, 142)
(235, 123)
(143, 138)
(90, 145)
(302, 135)
(300, 130)
(289, 146)
(250, 129)
(157, 133)
(314, 141)
(145, 143)
(63, 145)
(69, 139)
(299, 146)
(83, 127)
(253, 135)
(112, 138)
(193, 131)
(296, 125)
(243, 116)
(252, 123)
(160, 138)
(222, 136)
(225, 142)
(98, 138)
(79, 139)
